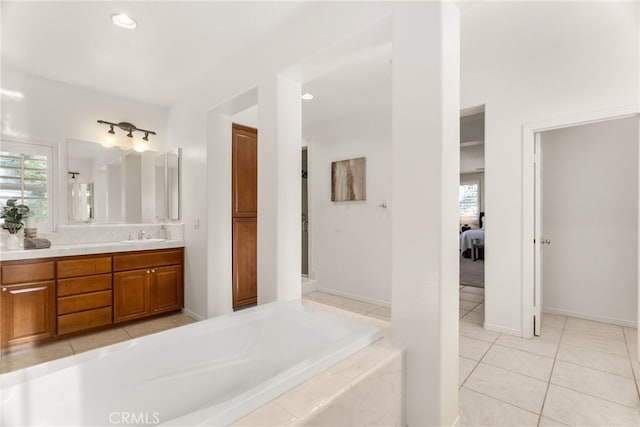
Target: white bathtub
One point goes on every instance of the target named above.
(207, 373)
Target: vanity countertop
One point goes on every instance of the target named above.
(85, 249)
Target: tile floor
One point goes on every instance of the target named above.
(577, 373)
(26, 356)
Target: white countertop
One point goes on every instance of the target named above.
(85, 249)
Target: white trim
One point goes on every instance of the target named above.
(192, 314)
(578, 315)
(528, 197)
(502, 329)
(355, 297)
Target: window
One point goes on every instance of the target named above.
(25, 175)
(469, 200)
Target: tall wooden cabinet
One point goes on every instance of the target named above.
(27, 303)
(244, 215)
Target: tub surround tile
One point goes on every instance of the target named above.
(519, 390)
(465, 366)
(598, 360)
(477, 409)
(267, 415)
(472, 348)
(98, 339)
(521, 362)
(606, 386)
(578, 409)
(539, 346)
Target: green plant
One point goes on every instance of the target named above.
(13, 215)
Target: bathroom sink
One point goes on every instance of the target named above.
(138, 242)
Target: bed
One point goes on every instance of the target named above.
(467, 238)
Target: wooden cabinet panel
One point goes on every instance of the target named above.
(244, 171)
(83, 267)
(130, 295)
(84, 320)
(27, 312)
(28, 272)
(244, 261)
(147, 259)
(166, 292)
(81, 285)
(83, 302)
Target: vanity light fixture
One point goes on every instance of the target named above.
(128, 142)
(124, 21)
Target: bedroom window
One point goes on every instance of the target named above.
(25, 175)
(469, 200)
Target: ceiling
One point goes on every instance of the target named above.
(175, 42)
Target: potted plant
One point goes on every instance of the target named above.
(13, 215)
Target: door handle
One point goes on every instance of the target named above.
(547, 241)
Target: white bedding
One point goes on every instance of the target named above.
(467, 237)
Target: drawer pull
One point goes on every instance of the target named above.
(4, 289)
(153, 271)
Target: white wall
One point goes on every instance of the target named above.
(351, 241)
(594, 67)
(590, 214)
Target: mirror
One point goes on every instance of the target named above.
(109, 185)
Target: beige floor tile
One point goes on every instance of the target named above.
(519, 361)
(592, 342)
(548, 422)
(468, 305)
(147, 327)
(462, 313)
(554, 320)
(474, 290)
(98, 339)
(465, 366)
(552, 333)
(593, 359)
(479, 410)
(472, 348)
(539, 346)
(596, 383)
(479, 308)
(578, 409)
(326, 298)
(181, 319)
(475, 331)
(594, 328)
(30, 356)
(468, 296)
(519, 390)
(359, 307)
(473, 317)
(383, 313)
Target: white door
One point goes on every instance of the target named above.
(537, 274)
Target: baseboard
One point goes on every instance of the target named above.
(585, 316)
(192, 314)
(308, 286)
(355, 297)
(502, 329)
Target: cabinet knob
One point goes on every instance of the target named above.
(4, 289)
(148, 271)
(153, 271)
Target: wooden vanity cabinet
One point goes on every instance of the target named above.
(84, 293)
(147, 283)
(27, 302)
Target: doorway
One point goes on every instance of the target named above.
(305, 214)
(586, 222)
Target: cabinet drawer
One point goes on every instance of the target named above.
(69, 323)
(82, 285)
(146, 260)
(83, 302)
(84, 267)
(27, 273)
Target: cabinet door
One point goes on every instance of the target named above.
(28, 312)
(245, 279)
(244, 170)
(166, 290)
(131, 295)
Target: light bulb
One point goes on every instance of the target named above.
(109, 140)
(127, 143)
(140, 146)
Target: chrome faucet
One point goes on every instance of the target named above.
(141, 234)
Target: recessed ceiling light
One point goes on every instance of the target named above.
(307, 96)
(124, 21)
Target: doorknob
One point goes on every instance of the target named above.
(547, 241)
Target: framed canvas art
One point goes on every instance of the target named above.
(349, 180)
